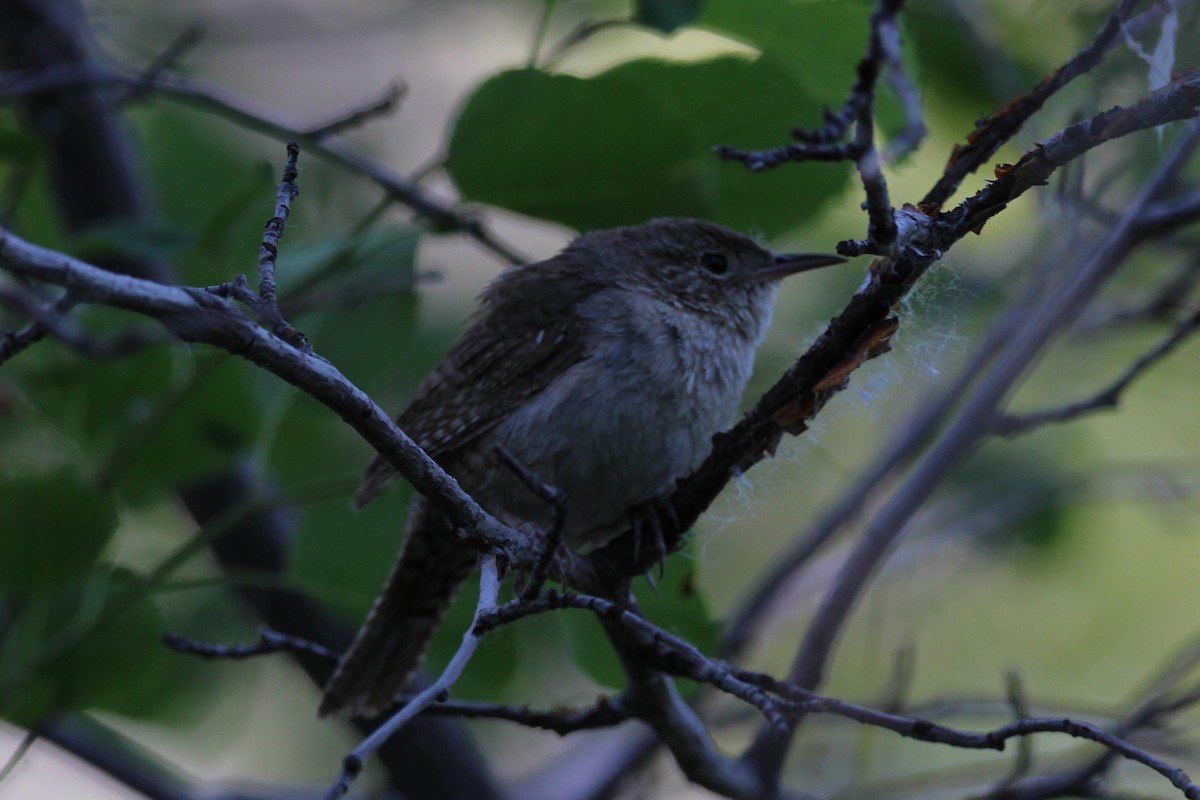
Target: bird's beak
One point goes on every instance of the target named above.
(791, 263)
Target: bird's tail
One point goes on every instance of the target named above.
(392, 641)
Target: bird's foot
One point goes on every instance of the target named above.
(555, 559)
(650, 524)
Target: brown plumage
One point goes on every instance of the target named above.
(605, 369)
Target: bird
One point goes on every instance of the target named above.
(604, 370)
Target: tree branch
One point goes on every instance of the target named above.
(995, 130)
(1011, 425)
(1041, 324)
(194, 92)
(352, 766)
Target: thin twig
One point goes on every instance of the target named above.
(1001, 126)
(266, 302)
(443, 216)
(914, 130)
(186, 40)
(606, 712)
(15, 342)
(269, 642)
(268, 251)
(1163, 302)
(50, 320)
(1012, 425)
(382, 107)
(1040, 327)
(352, 765)
(1020, 710)
(26, 744)
(822, 144)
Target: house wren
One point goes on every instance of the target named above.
(605, 370)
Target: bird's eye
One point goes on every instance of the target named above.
(715, 263)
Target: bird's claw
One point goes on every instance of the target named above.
(650, 523)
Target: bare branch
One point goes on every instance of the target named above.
(862, 330)
(190, 91)
(1040, 326)
(378, 108)
(195, 315)
(681, 658)
(1163, 302)
(269, 642)
(186, 40)
(51, 319)
(1001, 126)
(821, 144)
(1011, 425)
(489, 591)
(27, 742)
(914, 130)
(604, 713)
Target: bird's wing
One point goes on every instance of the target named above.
(509, 355)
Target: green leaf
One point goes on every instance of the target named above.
(819, 42)
(675, 606)
(588, 153)
(134, 239)
(205, 178)
(382, 256)
(749, 105)
(591, 650)
(201, 424)
(678, 607)
(667, 15)
(17, 146)
(150, 422)
(95, 645)
(342, 556)
(232, 230)
(52, 529)
(635, 143)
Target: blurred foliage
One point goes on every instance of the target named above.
(91, 449)
(635, 143)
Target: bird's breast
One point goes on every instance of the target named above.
(619, 427)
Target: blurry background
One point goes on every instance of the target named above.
(1069, 557)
